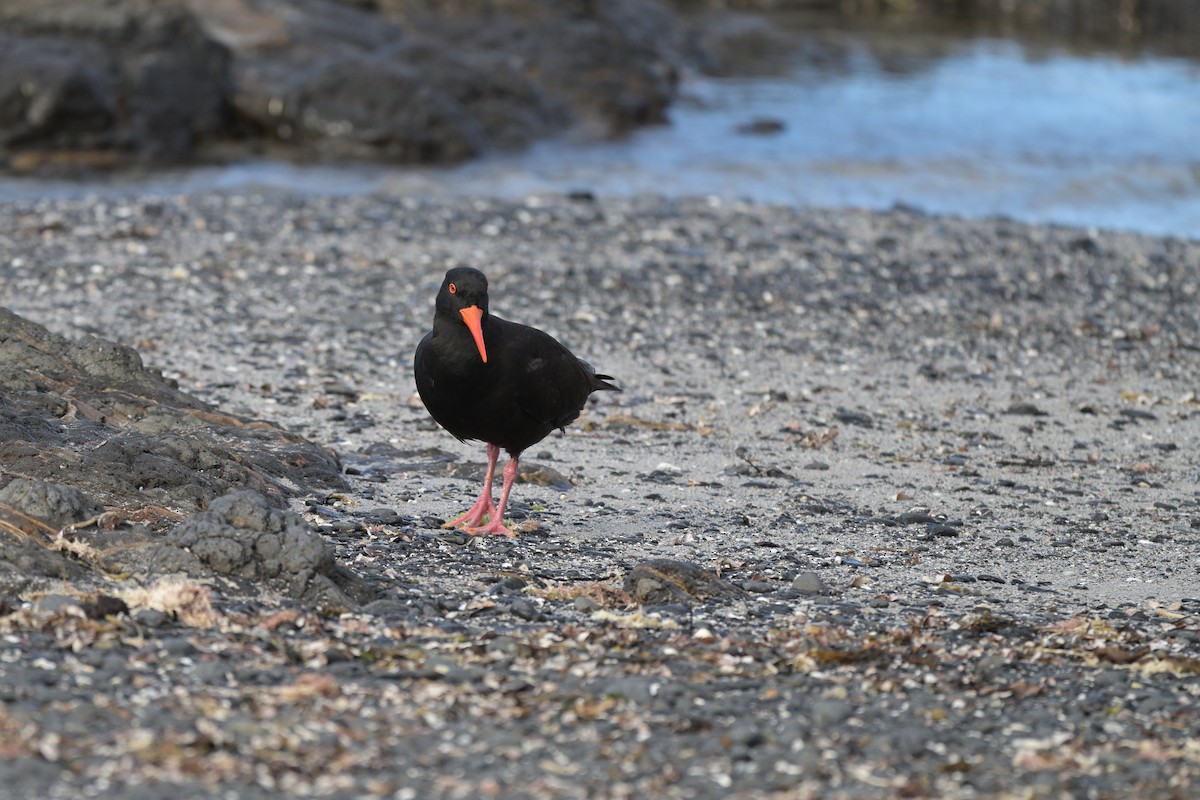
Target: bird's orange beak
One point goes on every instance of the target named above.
(472, 315)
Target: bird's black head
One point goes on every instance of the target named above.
(463, 287)
(463, 298)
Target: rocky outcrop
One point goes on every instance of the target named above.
(89, 414)
(97, 82)
(112, 81)
(1169, 26)
(101, 456)
(240, 537)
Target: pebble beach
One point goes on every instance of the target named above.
(891, 504)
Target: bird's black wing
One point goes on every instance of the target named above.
(552, 385)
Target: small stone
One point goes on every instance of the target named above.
(210, 673)
(150, 618)
(525, 609)
(384, 516)
(56, 603)
(858, 418)
(829, 712)
(385, 607)
(514, 582)
(104, 606)
(810, 583)
(586, 604)
(763, 126)
(1025, 410)
(178, 646)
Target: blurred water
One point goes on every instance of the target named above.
(982, 128)
(1088, 140)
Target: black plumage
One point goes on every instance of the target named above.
(485, 378)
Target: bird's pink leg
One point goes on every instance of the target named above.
(483, 506)
(495, 525)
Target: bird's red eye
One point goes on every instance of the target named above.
(453, 288)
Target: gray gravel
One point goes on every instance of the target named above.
(940, 478)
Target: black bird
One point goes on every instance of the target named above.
(485, 378)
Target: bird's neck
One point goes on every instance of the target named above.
(455, 345)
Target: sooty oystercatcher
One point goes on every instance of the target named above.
(485, 378)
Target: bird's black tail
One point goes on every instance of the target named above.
(600, 382)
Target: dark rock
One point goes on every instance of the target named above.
(1109, 23)
(150, 618)
(734, 43)
(762, 127)
(1025, 409)
(541, 475)
(55, 504)
(384, 516)
(104, 606)
(860, 419)
(97, 84)
(31, 514)
(26, 565)
(125, 76)
(525, 609)
(241, 536)
(917, 518)
(810, 583)
(55, 604)
(514, 582)
(367, 105)
(385, 607)
(177, 646)
(586, 605)
(54, 96)
(88, 414)
(617, 66)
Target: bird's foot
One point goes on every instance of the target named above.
(495, 527)
(473, 516)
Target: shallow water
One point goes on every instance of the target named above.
(1088, 140)
(974, 127)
